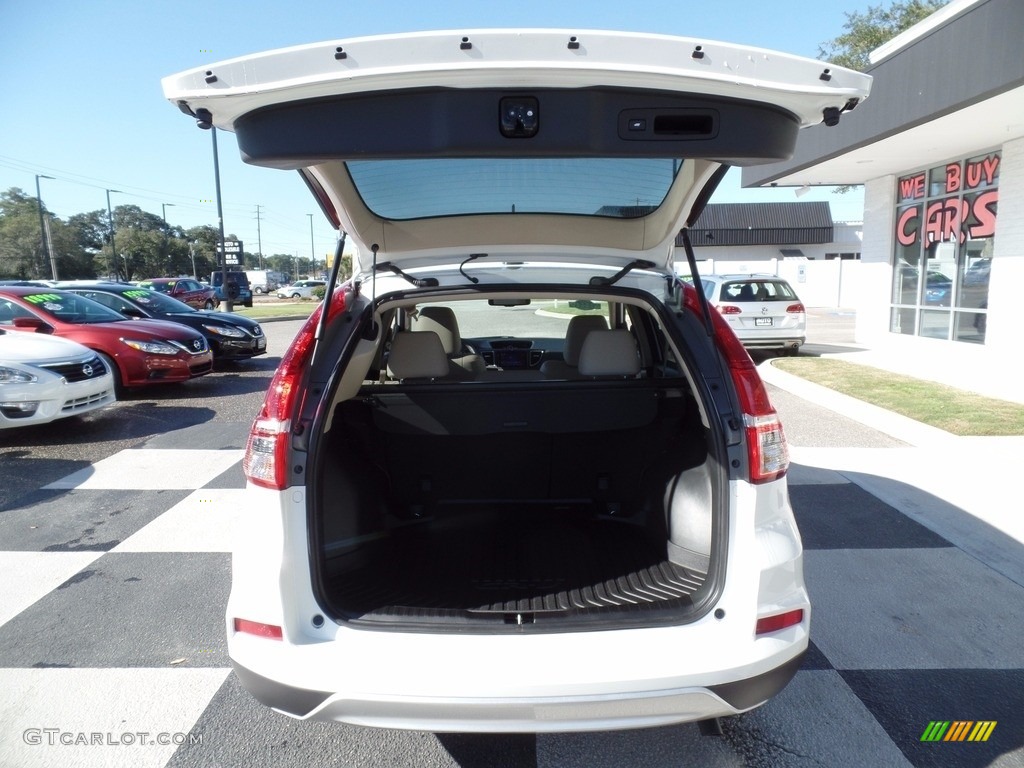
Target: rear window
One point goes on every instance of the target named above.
(612, 187)
(757, 290)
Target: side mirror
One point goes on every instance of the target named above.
(33, 322)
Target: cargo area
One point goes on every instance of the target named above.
(520, 505)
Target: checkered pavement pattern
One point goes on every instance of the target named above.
(113, 582)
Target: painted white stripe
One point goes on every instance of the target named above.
(152, 469)
(204, 521)
(26, 577)
(101, 717)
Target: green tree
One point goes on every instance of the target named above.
(868, 30)
(21, 245)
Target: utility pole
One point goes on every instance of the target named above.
(42, 229)
(259, 237)
(312, 247)
(167, 255)
(113, 249)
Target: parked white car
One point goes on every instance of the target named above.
(300, 289)
(762, 310)
(465, 515)
(43, 378)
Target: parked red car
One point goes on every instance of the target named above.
(184, 289)
(138, 352)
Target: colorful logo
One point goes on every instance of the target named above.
(958, 730)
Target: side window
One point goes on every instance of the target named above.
(9, 310)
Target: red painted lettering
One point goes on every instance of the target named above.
(953, 178)
(912, 187)
(944, 218)
(983, 171)
(991, 164)
(983, 209)
(906, 228)
(974, 171)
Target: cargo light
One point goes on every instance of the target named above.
(779, 621)
(767, 450)
(266, 452)
(259, 629)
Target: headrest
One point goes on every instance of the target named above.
(609, 353)
(576, 332)
(440, 320)
(417, 355)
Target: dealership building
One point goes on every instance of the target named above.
(939, 148)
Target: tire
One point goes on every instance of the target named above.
(258, 291)
(296, 295)
(108, 361)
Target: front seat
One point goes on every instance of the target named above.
(610, 354)
(417, 357)
(441, 320)
(575, 335)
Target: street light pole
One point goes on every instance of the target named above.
(113, 248)
(204, 119)
(192, 254)
(42, 228)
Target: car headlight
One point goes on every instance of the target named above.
(225, 330)
(152, 347)
(14, 376)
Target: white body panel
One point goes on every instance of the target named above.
(56, 397)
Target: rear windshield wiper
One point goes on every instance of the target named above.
(419, 282)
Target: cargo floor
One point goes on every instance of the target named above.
(496, 562)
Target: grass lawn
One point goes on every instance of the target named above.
(283, 309)
(953, 410)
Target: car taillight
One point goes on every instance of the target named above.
(767, 451)
(729, 309)
(798, 307)
(266, 452)
(779, 621)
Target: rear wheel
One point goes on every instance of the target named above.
(115, 372)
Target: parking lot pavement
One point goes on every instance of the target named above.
(113, 582)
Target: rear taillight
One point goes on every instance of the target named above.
(779, 621)
(729, 309)
(767, 452)
(798, 307)
(266, 452)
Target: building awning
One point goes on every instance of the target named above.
(762, 224)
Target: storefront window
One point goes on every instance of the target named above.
(945, 230)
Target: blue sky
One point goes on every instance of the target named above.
(81, 99)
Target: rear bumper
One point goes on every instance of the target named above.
(595, 712)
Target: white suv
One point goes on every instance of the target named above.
(515, 475)
(763, 310)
